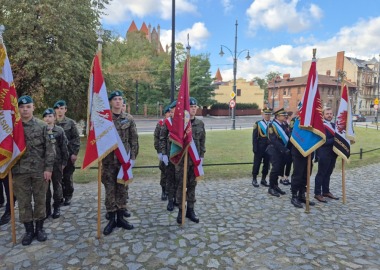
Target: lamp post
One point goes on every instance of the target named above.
(235, 56)
(378, 89)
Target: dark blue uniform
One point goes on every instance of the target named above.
(260, 143)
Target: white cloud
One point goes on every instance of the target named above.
(279, 14)
(360, 40)
(119, 11)
(227, 5)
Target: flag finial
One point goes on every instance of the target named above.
(2, 29)
(314, 52)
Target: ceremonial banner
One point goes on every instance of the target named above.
(344, 131)
(181, 133)
(309, 133)
(12, 141)
(101, 138)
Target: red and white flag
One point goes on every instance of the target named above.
(12, 140)
(125, 172)
(344, 131)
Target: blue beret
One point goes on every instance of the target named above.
(173, 104)
(48, 111)
(116, 93)
(25, 100)
(59, 103)
(167, 109)
(193, 101)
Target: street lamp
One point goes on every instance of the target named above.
(235, 56)
(378, 90)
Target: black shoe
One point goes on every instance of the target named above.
(170, 206)
(29, 233)
(273, 192)
(67, 201)
(190, 214)
(302, 199)
(179, 217)
(5, 218)
(126, 213)
(111, 223)
(164, 196)
(56, 212)
(264, 183)
(121, 222)
(296, 202)
(175, 202)
(40, 233)
(279, 190)
(254, 182)
(286, 182)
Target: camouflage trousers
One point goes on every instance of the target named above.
(30, 187)
(163, 180)
(116, 194)
(191, 184)
(57, 186)
(67, 180)
(171, 181)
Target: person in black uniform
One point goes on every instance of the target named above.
(260, 144)
(326, 160)
(277, 150)
(284, 179)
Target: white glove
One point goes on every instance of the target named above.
(159, 155)
(132, 163)
(165, 160)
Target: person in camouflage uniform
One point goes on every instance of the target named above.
(199, 137)
(61, 158)
(115, 200)
(164, 146)
(72, 135)
(161, 164)
(32, 172)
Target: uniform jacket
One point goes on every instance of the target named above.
(258, 136)
(199, 136)
(274, 138)
(156, 135)
(40, 153)
(61, 148)
(126, 127)
(71, 133)
(164, 142)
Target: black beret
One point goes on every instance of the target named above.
(48, 111)
(116, 93)
(25, 100)
(59, 103)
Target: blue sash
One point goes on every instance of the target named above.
(263, 127)
(281, 132)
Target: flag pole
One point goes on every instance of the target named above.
(11, 201)
(99, 32)
(342, 73)
(308, 184)
(185, 162)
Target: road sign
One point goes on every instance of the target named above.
(375, 106)
(232, 103)
(232, 95)
(376, 101)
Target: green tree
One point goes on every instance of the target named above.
(51, 45)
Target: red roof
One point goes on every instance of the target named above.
(218, 76)
(144, 29)
(132, 27)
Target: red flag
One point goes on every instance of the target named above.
(181, 134)
(12, 141)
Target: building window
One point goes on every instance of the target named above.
(298, 90)
(286, 104)
(238, 92)
(284, 92)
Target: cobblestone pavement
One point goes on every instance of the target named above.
(241, 227)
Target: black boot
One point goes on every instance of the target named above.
(5, 218)
(179, 217)
(263, 181)
(254, 182)
(170, 206)
(295, 201)
(164, 196)
(190, 214)
(111, 223)
(279, 190)
(175, 202)
(29, 233)
(121, 222)
(302, 198)
(67, 201)
(40, 233)
(56, 212)
(126, 213)
(48, 210)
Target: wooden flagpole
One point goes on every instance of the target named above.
(308, 184)
(343, 182)
(11, 201)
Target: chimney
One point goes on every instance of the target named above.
(328, 72)
(339, 62)
(286, 76)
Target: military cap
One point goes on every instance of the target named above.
(280, 112)
(267, 110)
(173, 104)
(167, 109)
(48, 111)
(193, 101)
(59, 103)
(25, 100)
(116, 93)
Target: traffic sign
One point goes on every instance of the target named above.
(232, 103)
(376, 101)
(375, 106)
(232, 95)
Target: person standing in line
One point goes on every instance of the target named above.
(284, 178)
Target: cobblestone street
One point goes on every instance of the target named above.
(241, 227)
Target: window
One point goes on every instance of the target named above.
(238, 92)
(286, 104)
(284, 93)
(298, 90)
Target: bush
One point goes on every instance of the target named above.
(239, 106)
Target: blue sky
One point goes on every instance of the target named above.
(279, 34)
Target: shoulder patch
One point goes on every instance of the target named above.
(270, 130)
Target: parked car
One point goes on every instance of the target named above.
(358, 118)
